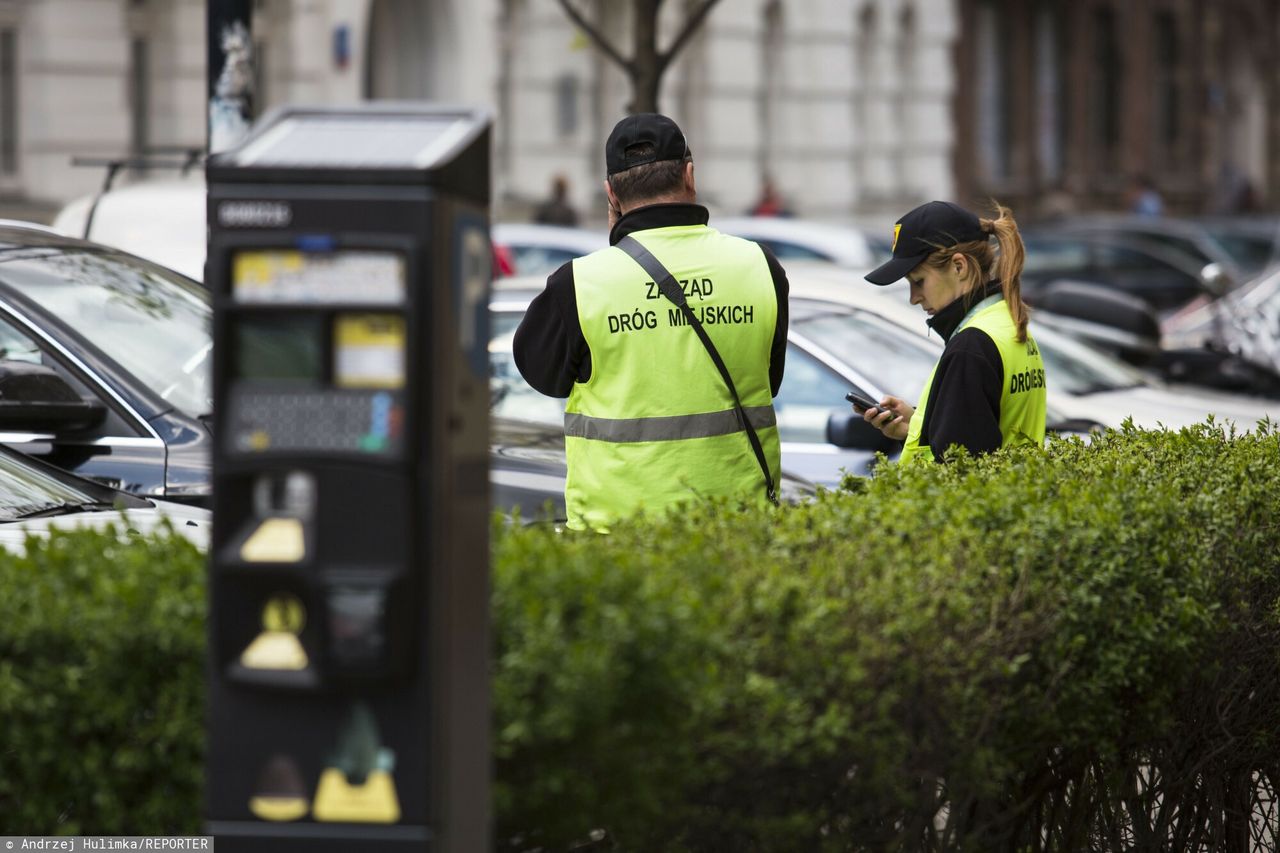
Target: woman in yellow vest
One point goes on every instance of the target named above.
(987, 391)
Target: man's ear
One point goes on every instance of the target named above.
(613, 199)
(688, 180)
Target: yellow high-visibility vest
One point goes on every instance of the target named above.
(655, 424)
(1023, 401)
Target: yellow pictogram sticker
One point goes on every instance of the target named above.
(278, 646)
(277, 540)
(356, 785)
(280, 794)
(374, 801)
(896, 230)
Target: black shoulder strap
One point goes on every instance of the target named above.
(671, 289)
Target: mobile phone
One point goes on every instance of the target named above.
(863, 403)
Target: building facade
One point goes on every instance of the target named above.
(1068, 104)
(845, 104)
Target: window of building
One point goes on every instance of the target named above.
(993, 109)
(140, 93)
(908, 83)
(567, 97)
(1167, 116)
(865, 45)
(1050, 88)
(8, 102)
(770, 95)
(1106, 88)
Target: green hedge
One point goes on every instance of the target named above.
(101, 685)
(1068, 649)
(1033, 650)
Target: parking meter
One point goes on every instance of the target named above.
(349, 265)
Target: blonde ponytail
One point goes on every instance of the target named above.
(1009, 265)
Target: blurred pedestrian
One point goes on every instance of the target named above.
(556, 210)
(1143, 198)
(770, 202)
(987, 390)
(669, 344)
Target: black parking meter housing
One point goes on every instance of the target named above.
(349, 266)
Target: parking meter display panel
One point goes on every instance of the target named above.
(318, 378)
(292, 276)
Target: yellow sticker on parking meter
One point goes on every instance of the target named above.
(278, 646)
(369, 351)
(280, 794)
(357, 784)
(276, 540)
(256, 271)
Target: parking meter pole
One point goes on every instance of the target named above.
(230, 72)
(348, 264)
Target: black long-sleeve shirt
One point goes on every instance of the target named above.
(964, 400)
(549, 347)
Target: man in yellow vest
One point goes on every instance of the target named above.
(650, 419)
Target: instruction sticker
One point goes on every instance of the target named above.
(369, 351)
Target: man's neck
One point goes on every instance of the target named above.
(678, 198)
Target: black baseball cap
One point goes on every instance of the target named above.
(661, 132)
(921, 232)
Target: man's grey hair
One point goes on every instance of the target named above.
(651, 180)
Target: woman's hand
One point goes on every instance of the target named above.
(891, 417)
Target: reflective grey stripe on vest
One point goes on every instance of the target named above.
(673, 428)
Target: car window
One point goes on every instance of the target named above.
(787, 251)
(1182, 244)
(510, 396)
(810, 393)
(18, 346)
(898, 361)
(1077, 368)
(153, 322)
(540, 260)
(1125, 259)
(1055, 255)
(25, 489)
(1252, 253)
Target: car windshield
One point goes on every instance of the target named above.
(1077, 368)
(26, 490)
(153, 322)
(897, 361)
(1252, 252)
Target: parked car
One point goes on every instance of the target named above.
(118, 350)
(1245, 322)
(1164, 277)
(34, 498)
(162, 221)
(539, 250)
(1085, 384)
(802, 240)
(1186, 236)
(1253, 242)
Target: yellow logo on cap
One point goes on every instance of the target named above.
(896, 229)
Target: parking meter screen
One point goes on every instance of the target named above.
(266, 348)
(274, 276)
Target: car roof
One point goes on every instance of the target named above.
(162, 221)
(535, 234)
(844, 244)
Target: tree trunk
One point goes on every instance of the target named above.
(646, 68)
